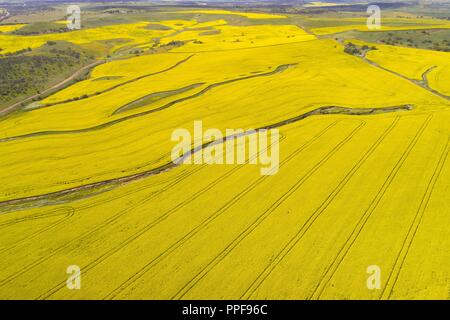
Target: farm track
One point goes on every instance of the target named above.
(170, 165)
(205, 270)
(108, 124)
(407, 243)
(425, 76)
(143, 230)
(422, 84)
(343, 251)
(315, 215)
(93, 231)
(210, 219)
(56, 87)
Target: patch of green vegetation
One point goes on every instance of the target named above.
(355, 50)
(41, 27)
(433, 39)
(328, 23)
(100, 15)
(9, 54)
(209, 32)
(173, 44)
(34, 12)
(156, 47)
(158, 27)
(153, 97)
(436, 10)
(29, 73)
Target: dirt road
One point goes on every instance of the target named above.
(57, 86)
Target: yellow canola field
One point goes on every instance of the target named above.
(414, 63)
(299, 227)
(238, 37)
(439, 78)
(10, 28)
(101, 148)
(387, 24)
(249, 15)
(116, 72)
(351, 191)
(134, 33)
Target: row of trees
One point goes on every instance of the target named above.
(355, 50)
(26, 74)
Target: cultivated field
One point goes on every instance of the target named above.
(363, 180)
